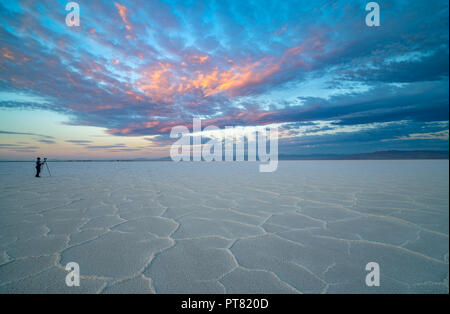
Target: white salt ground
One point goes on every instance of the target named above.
(164, 227)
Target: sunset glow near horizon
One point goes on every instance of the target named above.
(116, 85)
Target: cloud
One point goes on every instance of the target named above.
(8, 145)
(123, 14)
(24, 133)
(366, 138)
(126, 150)
(47, 141)
(106, 146)
(18, 148)
(440, 135)
(79, 142)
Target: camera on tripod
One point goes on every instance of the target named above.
(46, 165)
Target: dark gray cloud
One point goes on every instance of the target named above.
(47, 141)
(105, 146)
(79, 142)
(24, 133)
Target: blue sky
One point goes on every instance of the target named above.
(115, 86)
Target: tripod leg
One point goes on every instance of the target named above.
(48, 170)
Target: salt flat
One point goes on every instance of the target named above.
(164, 227)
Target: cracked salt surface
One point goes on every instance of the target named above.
(163, 227)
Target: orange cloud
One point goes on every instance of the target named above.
(69, 77)
(6, 53)
(281, 31)
(163, 82)
(94, 108)
(199, 59)
(123, 14)
(151, 124)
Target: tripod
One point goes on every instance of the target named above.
(48, 169)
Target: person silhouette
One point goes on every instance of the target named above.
(38, 166)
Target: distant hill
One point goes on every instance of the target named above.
(390, 154)
(398, 154)
(308, 157)
(387, 155)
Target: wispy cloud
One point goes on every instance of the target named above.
(24, 133)
(440, 135)
(106, 146)
(46, 141)
(79, 142)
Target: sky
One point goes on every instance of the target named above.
(116, 85)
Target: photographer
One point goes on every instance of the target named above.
(38, 166)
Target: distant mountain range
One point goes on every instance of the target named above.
(386, 155)
(398, 154)
(389, 154)
(381, 155)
